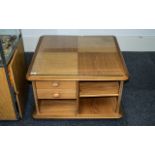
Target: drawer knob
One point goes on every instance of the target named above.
(55, 84)
(56, 95)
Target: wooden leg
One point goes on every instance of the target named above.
(77, 97)
(35, 96)
(119, 97)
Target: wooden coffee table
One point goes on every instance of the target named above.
(77, 77)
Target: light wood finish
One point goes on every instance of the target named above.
(56, 90)
(71, 85)
(119, 97)
(88, 69)
(7, 111)
(70, 62)
(50, 116)
(107, 63)
(61, 62)
(58, 43)
(77, 78)
(77, 97)
(93, 44)
(58, 108)
(35, 96)
(94, 89)
(56, 94)
(17, 72)
(10, 109)
(98, 107)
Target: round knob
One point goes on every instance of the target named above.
(55, 84)
(56, 95)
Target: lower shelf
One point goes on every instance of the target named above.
(57, 108)
(98, 107)
(89, 108)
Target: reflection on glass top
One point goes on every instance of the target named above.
(78, 43)
(71, 55)
(9, 39)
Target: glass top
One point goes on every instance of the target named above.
(77, 55)
(9, 39)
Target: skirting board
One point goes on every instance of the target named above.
(126, 43)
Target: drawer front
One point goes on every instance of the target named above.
(71, 85)
(56, 94)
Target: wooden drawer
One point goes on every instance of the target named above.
(56, 93)
(71, 85)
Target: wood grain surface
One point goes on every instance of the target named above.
(77, 77)
(78, 58)
(94, 89)
(7, 111)
(17, 70)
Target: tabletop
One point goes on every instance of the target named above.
(77, 57)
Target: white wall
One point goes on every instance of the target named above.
(129, 39)
(9, 31)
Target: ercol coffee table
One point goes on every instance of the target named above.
(77, 77)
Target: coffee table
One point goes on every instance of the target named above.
(77, 77)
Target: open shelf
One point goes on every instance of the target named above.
(99, 89)
(98, 107)
(57, 108)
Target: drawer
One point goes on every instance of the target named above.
(71, 85)
(56, 93)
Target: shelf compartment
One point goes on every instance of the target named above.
(99, 89)
(98, 107)
(57, 108)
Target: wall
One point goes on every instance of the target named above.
(9, 31)
(129, 39)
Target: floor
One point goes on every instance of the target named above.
(138, 98)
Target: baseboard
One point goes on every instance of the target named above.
(126, 43)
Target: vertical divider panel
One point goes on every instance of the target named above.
(120, 96)
(77, 97)
(35, 96)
